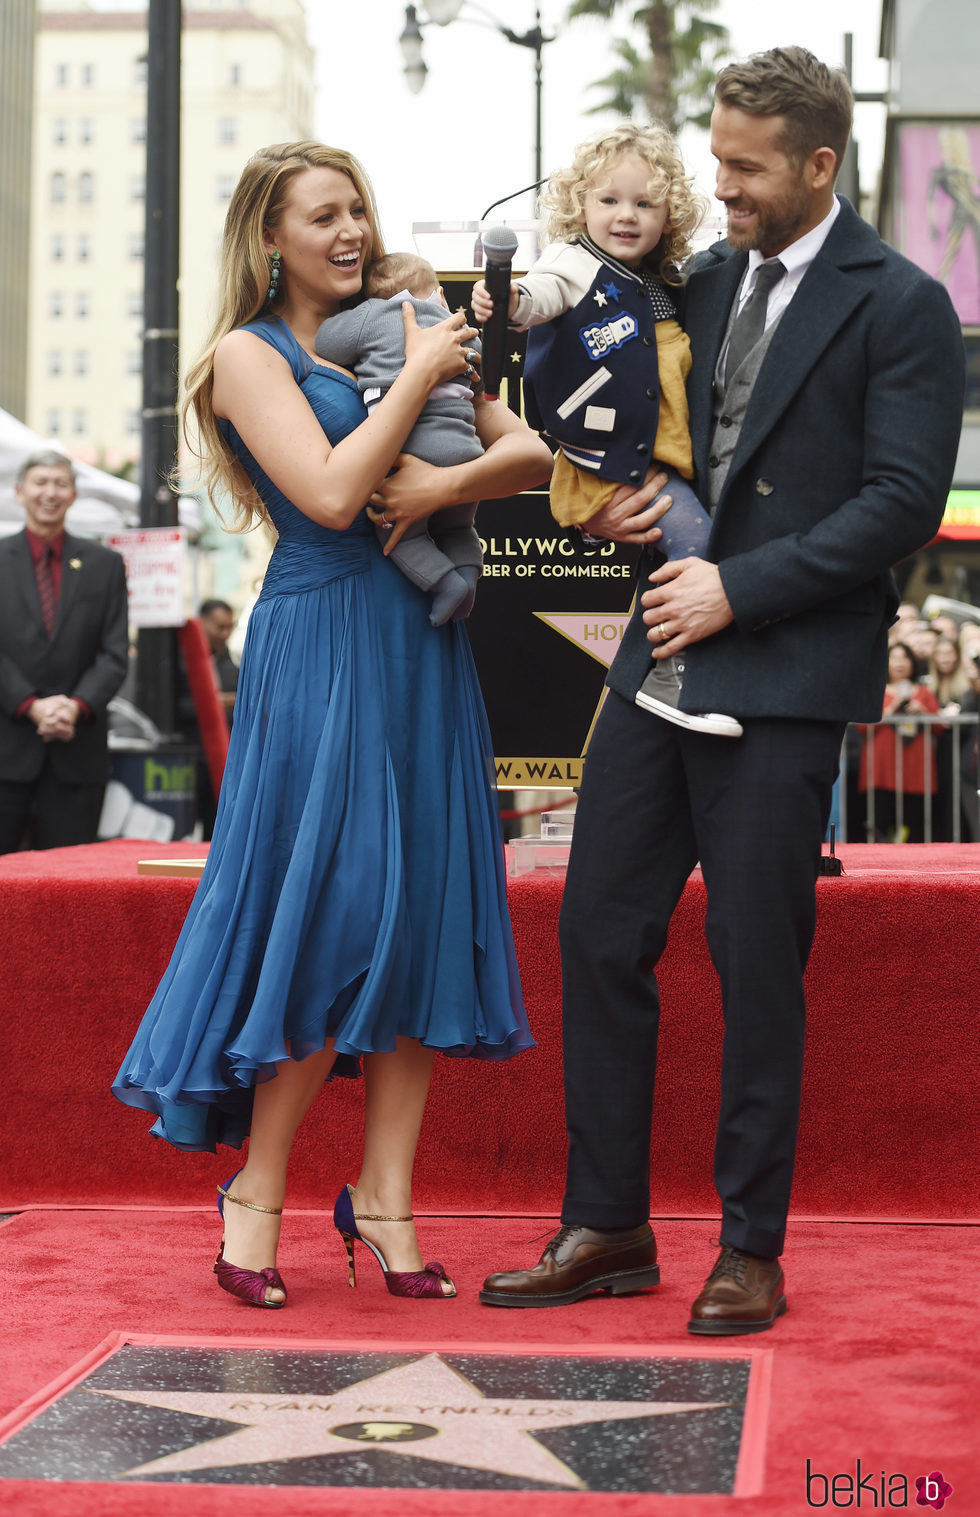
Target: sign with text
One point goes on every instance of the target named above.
(547, 624)
(155, 565)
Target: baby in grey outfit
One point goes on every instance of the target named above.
(441, 553)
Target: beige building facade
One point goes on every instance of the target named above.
(247, 80)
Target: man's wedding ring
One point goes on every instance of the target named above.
(663, 632)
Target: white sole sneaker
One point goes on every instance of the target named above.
(712, 721)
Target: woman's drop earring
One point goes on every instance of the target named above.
(274, 272)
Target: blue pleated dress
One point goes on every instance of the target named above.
(354, 888)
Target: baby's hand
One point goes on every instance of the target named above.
(482, 303)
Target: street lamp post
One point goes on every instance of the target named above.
(441, 13)
(157, 648)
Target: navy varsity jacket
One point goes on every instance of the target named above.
(590, 375)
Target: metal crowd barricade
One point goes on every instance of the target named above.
(956, 723)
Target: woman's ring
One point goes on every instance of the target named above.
(385, 522)
(663, 632)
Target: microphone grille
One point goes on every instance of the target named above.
(499, 244)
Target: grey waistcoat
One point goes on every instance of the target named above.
(730, 405)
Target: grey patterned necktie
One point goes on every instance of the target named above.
(751, 320)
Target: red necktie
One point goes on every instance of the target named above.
(45, 589)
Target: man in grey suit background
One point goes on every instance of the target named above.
(63, 655)
(825, 428)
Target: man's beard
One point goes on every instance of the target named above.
(776, 224)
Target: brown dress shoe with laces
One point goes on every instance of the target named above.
(576, 1262)
(743, 1294)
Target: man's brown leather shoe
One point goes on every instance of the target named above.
(578, 1261)
(743, 1294)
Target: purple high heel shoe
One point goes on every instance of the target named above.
(426, 1282)
(248, 1285)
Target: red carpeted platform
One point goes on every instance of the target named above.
(868, 1364)
(892, 1094)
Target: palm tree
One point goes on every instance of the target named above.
(674, 83)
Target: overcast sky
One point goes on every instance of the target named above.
(467, 138)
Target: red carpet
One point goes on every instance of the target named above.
(874, 1360)
(892, 1090)
(868, 1363)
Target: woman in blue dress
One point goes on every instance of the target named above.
(352, 911)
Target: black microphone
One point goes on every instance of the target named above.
(499, 247)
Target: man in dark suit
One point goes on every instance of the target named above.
(63, 655)
(825, 430)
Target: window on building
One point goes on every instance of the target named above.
(52, 421)
(137, 129)
(81, 363)
(79, 422)
(86, 131)
(225, 187)
(136, 244)
(234, 75)
(134, 362)
(57, 247)
(227, 129)
(56, 304)
(137, 187)
(83, 303)
(61, 75)
(133, 423)
(54, 363)
(86, 188)
(59, 134)
(59, 188)
(134, 303)
(83, 247)
(87, 75)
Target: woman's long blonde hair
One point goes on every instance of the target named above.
(563, 199)
(243, 283)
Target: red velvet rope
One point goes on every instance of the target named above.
(203, 680)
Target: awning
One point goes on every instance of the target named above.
(961, 518)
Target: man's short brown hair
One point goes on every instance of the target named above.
(814, 101)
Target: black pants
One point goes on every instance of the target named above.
(47, 812)
(655, 800)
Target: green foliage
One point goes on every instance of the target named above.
(673, 81)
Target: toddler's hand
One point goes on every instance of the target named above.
(481, 302)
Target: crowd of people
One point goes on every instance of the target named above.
(916, 780)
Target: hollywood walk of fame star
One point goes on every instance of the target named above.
(598, 635)
(600, 298)
(612, 291)
(424, 1409)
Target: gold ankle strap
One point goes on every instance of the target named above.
(367, 1216)
(273, 1211)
